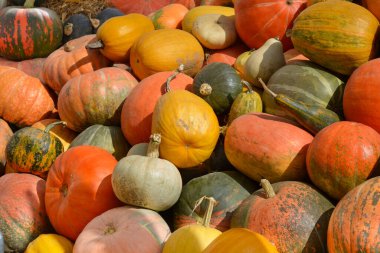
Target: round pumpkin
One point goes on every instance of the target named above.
(24, 100)
(27, 32)
(32, 67)
(169, 16)
(5, 135)
(227, 55)
(292, 215)
(124, 229)
(80, 178)
(147, 6)
(95, 98)
(47, 243)
(164, 50)
(336, 164)
(22, 211)
(71, 60)
(338, 35)
(354, 224)
(137, 110)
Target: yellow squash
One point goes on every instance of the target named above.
(50, 243)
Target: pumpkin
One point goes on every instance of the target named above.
(193, 238)
(310, 2)
(104, 15)
(218, 84)
(27, 32)
(32, 67)
(5, 135)
(46, 243)
(169, 16)
(95, 98)
(117, 35)
(63, 133)
(146, 7)
(264, 145)
(124, 229)
(240, 240)
(188, 126)
(354, 224)
(360, 94)
(306, 82)
(228, 188)
(214, 2)
(22, 210)
(81, 178)
(33, 150)
(259, 20)
(71, 60)
(24, 100)
(292, 215)
(342, 43)
(293, 55)
(227, 55)
(175, 47)
(336, 164)
(147, 180)
(110, 138)
(373, 6)
(137, 110)
(75, 26)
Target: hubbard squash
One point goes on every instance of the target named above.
(48, 243)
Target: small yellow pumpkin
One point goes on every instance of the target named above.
(49, 243)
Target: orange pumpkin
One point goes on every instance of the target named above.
(32, 67)
(169, 16)
(146, 6)
(5, 135)
(227, 55)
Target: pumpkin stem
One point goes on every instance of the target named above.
(51, 125)
(29, 3)
(267, 89)
(95, 22)
(210, 207)
(223, 130)
(205, 89)
(64, 190)
(109, 230)
(267, 188)
(68, 47)
(180, 69)
(95, 45)
(248, 85)
(153, 146)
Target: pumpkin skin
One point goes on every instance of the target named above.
(169, 16)
(95, 98)
(224, 82)
(175, 47)
(27, 33)
(354, 224)
(138, 107)
(342, 44)
(250, 136)
(71, 60)
(188, 126)
(22, 210)
(255, 23)
(46, 243)
(240, 240)
(24, 99)
(295, 219)
(360, 94)
(132, 229)
(228, 188)
(336, 164)
(32, 67)
(5, 135)
(146, 7)
(79, 177)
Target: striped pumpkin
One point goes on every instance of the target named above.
(27, 32)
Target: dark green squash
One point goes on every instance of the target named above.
(228, 188)
(33, 150)
(75, 26)
(110, 138)
(104, 15)
(27, 32)
(218, 84)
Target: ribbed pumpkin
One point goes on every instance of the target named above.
(354, 224)
(336, 164)
(292, 215)
(338, 35)
(24, 100)
(361, 93)
(27, 32)
(240, 240)
(110, 138)
(5, 135)
(164, 50)
(95, 98)
(218, 84)
(169, 16)
(32, 67)
(188, 126)
(137, 111)
(263, 145)
(259, 20)
(117, 35)
(22, 210)
(146, 6)
(228, 188)
(33, 150)
(124, 230)
(81, 178)
(48, 243)
(71, 60)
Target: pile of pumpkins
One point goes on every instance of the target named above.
(192, 127)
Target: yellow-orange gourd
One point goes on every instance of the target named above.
(50, 243)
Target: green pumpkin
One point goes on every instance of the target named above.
(218, 84)
(110, 138)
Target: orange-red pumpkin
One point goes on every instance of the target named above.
(5, 135)
(227, 55)
(146, 6)
(169, 16)
(32, 67)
